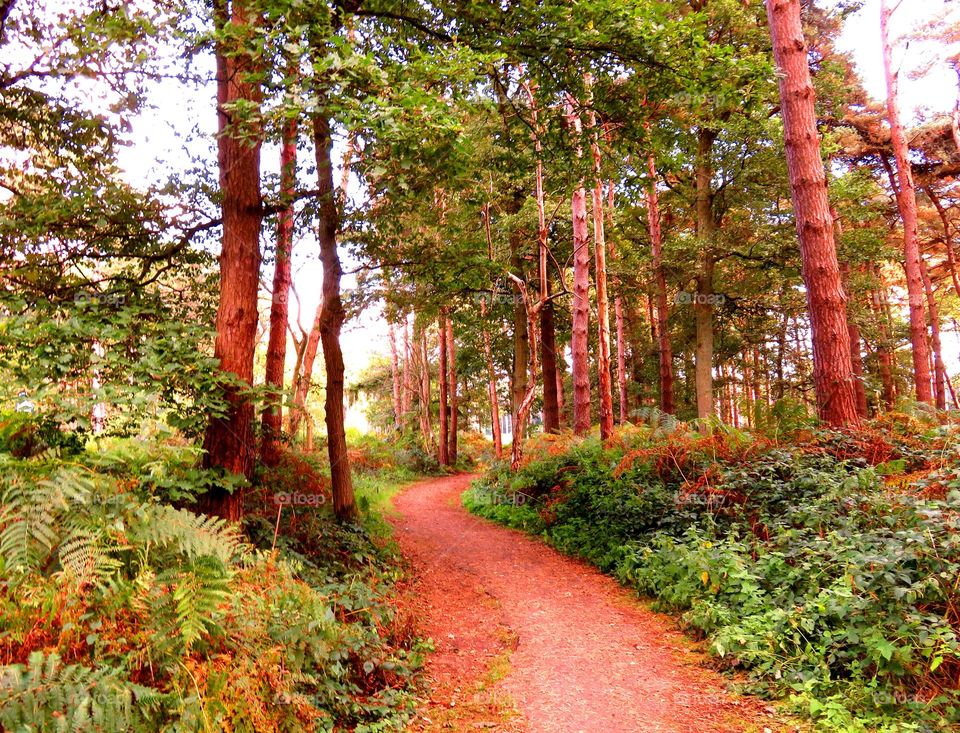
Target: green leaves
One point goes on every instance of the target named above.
(815, 578)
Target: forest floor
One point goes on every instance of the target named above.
(526, 639)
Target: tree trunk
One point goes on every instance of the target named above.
(488, 353)
(561, 393)
(623, 394)
(406, 402)
(523, 411)
(426, 429)
(279, 306)
(443, 441)
(521, 337)
(703, 305)
(331, 322)
(548, 340)
(603, 304)
(664, 347)
(885, 361)
(454, 400)
(826, 302)
(228, 442)
(579, 341)
(939, 369)
(305, 375)
(947, 238)
(624, 397)
(395, 378)
(853, 331)
(907, 203)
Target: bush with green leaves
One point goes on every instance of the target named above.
(807, 571)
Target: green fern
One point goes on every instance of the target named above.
(656, 418)
(47, 695)
(198, 595)
(85, 560)
(193, 535)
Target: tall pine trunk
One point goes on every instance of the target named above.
(939, 369)
(454, 399)
(907, 203)
(228, 442)
(548, 338)
(331, 322)
(703, 305)
(279, 306)
(947, 238)
(406, 400)
(884, 348)
(521, 335)
(579, 340)
(853, 331)
(603, 305)
(664, 348)
(826, 302)
(443, 441)
(488, 353)
(395, 378)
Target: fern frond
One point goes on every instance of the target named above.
(47, 695)
(193, 535)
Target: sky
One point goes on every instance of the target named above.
(157, 147)
(936, 91)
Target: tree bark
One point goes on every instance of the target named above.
(853, 331)
(521, 336)
(228, 442)
(947, 238)
(279, 306)
(426, 429)
(406, 401)
(826, 302)
(623, 395)
(548, 340)
(600, 277)
(940, 377)
(885, 361)
(331, 321)
(443, 441)
(907, 203)
(395, 378)
(579, 341)
(305, 375)
(561, 393)
(488, 353)
(703, 307)
(453, 398)
(664, 347)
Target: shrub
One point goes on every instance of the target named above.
(802, 565)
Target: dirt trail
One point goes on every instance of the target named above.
(584, 655)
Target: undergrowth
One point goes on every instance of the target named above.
(827, 569)
(122, 610)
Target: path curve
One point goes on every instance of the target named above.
(587, 657)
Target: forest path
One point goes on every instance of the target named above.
(527, 639)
